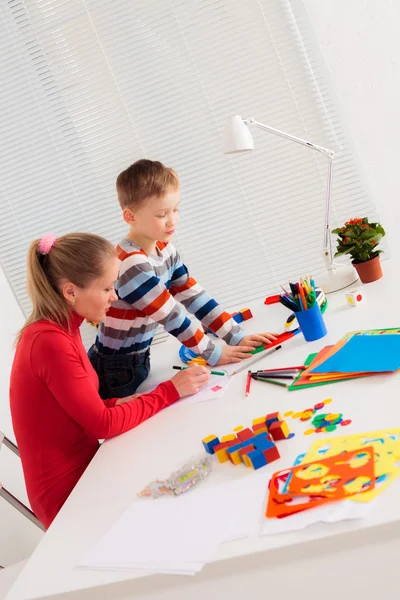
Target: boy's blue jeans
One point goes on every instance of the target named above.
(119, 375)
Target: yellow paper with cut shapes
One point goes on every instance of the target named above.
(386, 445)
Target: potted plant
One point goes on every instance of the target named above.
(360, 239)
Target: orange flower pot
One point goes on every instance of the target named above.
(369, 270)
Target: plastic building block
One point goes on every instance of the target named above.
(256, 459)
(238, 428)
(260, 428)
(262, 443)
(279, 430)
(233, 453)
(228, 438)
(244, 452)
(271, 418)
(209, 442)
(246, 314)
(354, 298)
(245, 434)
(258, 421)
(271, 454)
(238, 317)
(220, 450)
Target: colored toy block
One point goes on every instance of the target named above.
(244, 452)
(246, 314)
(260, 429)
(354, 298)
(238, 317)
(272, 418)
(228, 438)
(233, 453)
(260, 420)
(262, 443)
(209, 442)
(256, 459)
(279, 430)
(238, 428)
(245, 434)
(221, 450)
(271, 454)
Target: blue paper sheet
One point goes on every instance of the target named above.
(364, 353)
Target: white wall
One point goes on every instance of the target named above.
(360, 43)
(18, 536)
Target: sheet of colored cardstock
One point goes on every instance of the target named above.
(364, 353)
(305, 381)
(336, 477)
(386, 445)
(328, 351)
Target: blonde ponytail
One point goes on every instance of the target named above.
(75, 257)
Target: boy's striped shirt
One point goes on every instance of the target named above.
(152, 290)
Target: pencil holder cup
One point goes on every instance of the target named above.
(311, 323)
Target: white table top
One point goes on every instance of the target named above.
(125, 464)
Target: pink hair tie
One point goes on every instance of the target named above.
(46, 243)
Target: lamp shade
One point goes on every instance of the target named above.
(236, 136)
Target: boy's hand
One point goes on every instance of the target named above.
(191, 380)
(257, 339)
(234, 354)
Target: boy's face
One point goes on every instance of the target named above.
(156, 219)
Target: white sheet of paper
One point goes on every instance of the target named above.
(169, 534)
(253, 490)
(215, 388)
(330, 513)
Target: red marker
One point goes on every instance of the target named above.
(248, 382)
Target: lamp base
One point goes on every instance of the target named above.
(338, 277)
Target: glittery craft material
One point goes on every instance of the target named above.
(180, 481)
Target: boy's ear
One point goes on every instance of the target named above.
(128, 216)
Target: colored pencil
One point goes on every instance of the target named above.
(211, 372)
(276, 373)
(298, 368)
(248, 383)
(258, 357)
(273, 376)
(271, 381)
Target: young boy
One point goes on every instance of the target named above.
(154, 287)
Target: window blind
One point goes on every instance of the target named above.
(90, 86)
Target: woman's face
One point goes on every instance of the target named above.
(93, 301)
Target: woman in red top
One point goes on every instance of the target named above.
(57, 413)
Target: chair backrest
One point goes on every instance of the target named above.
(20, 506)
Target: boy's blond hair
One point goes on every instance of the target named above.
(143, 179)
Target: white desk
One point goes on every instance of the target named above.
(321, 557)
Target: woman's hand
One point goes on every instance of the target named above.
(190, 380)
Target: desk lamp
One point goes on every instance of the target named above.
(237, 138)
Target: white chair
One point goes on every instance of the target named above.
(4, 493)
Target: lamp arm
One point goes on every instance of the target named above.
(329, 153)
(327, 247)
